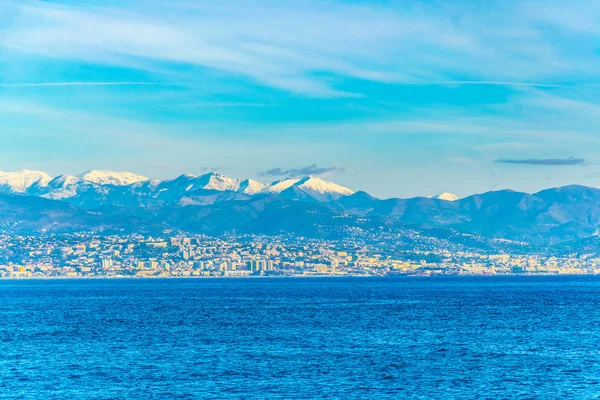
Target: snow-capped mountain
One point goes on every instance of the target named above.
(111, 178)
(309, 188)
(210, 181)
(216, 181)
(61, 187)
(76, 191)
(186, 184)
(20, 181)
(280, 186)
(321, 190)
(99, 188)
(565, 219)
(250, 187)
(446, 196)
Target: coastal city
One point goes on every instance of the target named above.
(86, 255)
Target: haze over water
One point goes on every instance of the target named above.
(454, 337)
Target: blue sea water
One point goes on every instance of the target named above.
(492, 337)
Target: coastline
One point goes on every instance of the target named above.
(275, 277)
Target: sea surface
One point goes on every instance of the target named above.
(345, 338)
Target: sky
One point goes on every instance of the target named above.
(397, 98)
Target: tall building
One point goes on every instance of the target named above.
(253, 266)
(262, 266)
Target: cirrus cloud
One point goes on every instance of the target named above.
(542, 161)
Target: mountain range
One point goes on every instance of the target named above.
(214, 203)
(99, 188)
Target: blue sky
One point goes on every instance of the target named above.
(399, 98)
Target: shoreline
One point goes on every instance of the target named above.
(72, 278)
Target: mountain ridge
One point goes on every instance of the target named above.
(215, 203)
(96, 188)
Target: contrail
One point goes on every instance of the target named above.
(499, 83)
(54, 84)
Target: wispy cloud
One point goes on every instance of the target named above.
(497, 83)
(463, 161)
(61, 84)
(543, 161)
(303, 171)
(504, 146)
(298, 46)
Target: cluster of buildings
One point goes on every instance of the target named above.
(387, 253)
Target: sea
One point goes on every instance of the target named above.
(301, 338)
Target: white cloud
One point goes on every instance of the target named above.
(66, 84)
(294, 45)
(493, 83)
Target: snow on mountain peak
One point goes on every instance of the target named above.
(250, 186)
(20, 181)
(98, 185)
(310, 186)
(61, 187)
(322, 190)
(212, 181)
(280, 185)
(446, 196)
(111, 178)
(216, 181)
(64, 180)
